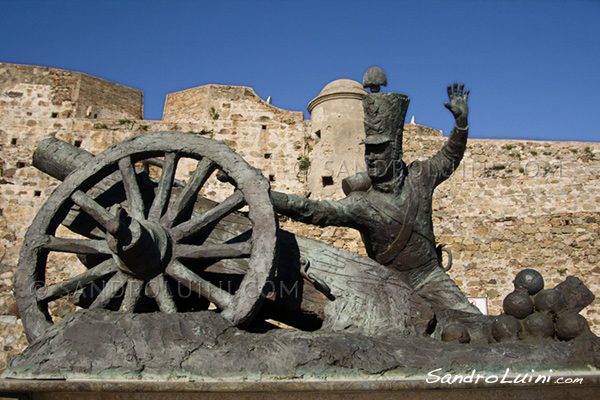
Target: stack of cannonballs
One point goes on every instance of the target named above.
(534, 312)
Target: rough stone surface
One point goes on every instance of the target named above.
(269, 138)
(48, 93)
(203, 346)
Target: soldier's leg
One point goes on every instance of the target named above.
(433, 284)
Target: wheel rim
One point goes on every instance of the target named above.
(149, 243)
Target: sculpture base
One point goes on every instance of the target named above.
(203, 347)
(283, 390)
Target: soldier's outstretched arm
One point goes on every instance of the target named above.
(448, 158)
(322, 213)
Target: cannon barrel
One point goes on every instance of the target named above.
(58, 158)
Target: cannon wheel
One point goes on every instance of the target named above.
(144, 243)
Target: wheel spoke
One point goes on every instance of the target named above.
(132, 189)
(220, 251)
(159, 288)
(197, 224)
(57, 290)
(133, 292)
(187, 278)
(96, 211)
(111, 289)
(164, 187)
(157, 162)
(188, 195)
(77, 246)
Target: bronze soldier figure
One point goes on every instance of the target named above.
(391, 203)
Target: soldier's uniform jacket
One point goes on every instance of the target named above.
(394, 218)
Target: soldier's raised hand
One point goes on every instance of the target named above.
(458, 103)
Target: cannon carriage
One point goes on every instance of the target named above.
(150, 243)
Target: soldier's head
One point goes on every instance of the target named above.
(380, 162)
(384, 123)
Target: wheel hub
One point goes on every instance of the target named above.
(141, 249)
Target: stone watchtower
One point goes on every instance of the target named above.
(337, 122)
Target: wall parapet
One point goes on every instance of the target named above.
(203, 103)
(65, 94)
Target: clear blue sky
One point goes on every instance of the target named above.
(533, 66)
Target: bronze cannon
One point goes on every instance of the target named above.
(151, 243)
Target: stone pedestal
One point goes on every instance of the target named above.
(407, 389)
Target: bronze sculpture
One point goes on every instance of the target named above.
(392, 207)
(190, 250)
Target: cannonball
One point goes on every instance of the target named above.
(570, 324)
(550, 300)
(518, 304)
(529, 279)
(505, 328)
(539, 325)
(456, 333)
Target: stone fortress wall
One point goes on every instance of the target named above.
(269, 138)
(45, 93)
(510, 205)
